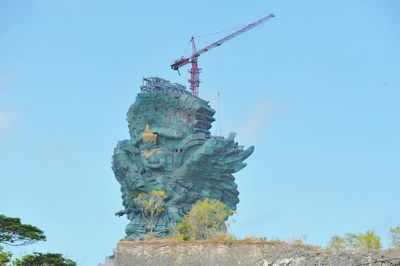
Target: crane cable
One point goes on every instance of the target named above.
(186, 49)
(218, 32)
(206, 35)
(219, 116)
(219, 88)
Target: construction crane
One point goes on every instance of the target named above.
(195, 70)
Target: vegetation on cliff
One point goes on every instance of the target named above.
(395, 237)
(368, 240)
(151, 206)
(206, 219)
(364, 241)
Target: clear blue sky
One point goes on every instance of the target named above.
(316, 90)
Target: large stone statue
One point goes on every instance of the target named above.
(171, 149)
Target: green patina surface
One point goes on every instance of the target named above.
(176, 154)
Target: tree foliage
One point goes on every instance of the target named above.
(337, 243)
(44, 259)
(206, 219)
(299, 240)
(5, 257)
(368, 240)
(395, 236)
(181, 230)
(15, 233)
(151, 206)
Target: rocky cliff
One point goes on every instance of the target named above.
(169, 253)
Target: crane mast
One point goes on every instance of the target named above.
(193, 59)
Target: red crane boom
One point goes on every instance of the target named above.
(195, 70)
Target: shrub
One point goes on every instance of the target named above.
(206, 219)
(368, 240)
(395, 236)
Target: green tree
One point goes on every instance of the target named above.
(44, 259)
(368, 240)
(151, 206)
(15, 233)
(337, 243)
(5, 257)
(206, 219)
(299, 240)
(352, 241)
(395, 236)
(182, 230)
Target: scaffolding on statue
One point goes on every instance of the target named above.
(156, 84)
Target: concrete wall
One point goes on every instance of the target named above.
(167, 253)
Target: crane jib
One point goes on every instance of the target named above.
(195, 70)
(236, 33)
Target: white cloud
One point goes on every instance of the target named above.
(258, 118)
(7, 117)
(64, 154)
(5, 79)
(7, 120)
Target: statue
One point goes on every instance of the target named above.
(171, 149)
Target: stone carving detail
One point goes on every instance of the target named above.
(171, 148)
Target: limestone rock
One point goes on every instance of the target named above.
(198, 253)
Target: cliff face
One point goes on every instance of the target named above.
(168, 253)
